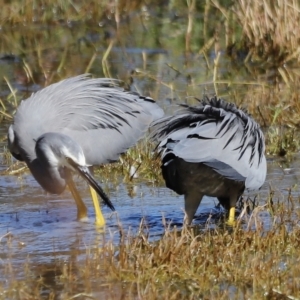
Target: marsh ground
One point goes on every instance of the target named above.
(247, 53)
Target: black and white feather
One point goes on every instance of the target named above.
(215, 135)
(79, 122)
(103, 118)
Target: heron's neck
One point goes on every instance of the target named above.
(52, 179)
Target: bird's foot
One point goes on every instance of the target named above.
(231, 222)
(82, 215)
(100, 221)
(84, 219)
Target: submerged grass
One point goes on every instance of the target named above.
(191, 263)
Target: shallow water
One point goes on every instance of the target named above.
(41, 228)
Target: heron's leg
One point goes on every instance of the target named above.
(192, 201)
(81, 208)
(231, 218)
(233, 199)
(99, 216)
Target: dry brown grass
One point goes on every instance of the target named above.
(270, 28)
(277, 110)
(265, 30)
(192, 263)
(49, 11)
(27, 12)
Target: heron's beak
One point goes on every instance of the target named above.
(86, 174)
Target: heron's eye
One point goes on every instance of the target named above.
(70, 161)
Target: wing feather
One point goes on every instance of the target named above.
(103, 118)
(218, 134)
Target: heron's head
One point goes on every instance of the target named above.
(57, 154)
(58, 150)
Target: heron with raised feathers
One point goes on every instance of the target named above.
(73, 125)
(213, 149)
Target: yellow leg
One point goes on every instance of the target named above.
(81, 208)
(100, 221)
(231, 219)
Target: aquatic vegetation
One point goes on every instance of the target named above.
(173, 52)
(191, 263)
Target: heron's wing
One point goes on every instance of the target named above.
(103, 118)
(233, 146)
(106, 144)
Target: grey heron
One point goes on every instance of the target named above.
(213, 149)
(73, 125)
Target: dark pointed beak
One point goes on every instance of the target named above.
(86, 174)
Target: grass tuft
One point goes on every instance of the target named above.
(191, 263)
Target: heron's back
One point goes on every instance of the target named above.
(101, 117)
(219, 135)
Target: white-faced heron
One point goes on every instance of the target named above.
(75, 124)
(213, 149)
